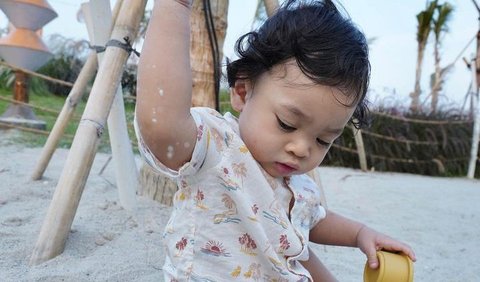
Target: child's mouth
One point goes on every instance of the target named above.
(284, 169)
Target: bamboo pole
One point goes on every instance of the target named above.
(475, 68)
(362, 157)
(60, 214)
(476, 122)
(32, 73)
(99, 20)
(271, 6)
(76, 93)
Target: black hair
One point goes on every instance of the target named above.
(327, 46)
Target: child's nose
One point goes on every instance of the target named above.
(300, 148)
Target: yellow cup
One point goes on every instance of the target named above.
(392, 268)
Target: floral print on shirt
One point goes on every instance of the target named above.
(231, 221)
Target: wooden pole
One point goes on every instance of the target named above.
(475, 68)
(99, 21)
(60, 215)
(476, 122)
(271, 6)
(362, 157)
(32, 73)
(20, 87)
(203, 88)
(76, 93)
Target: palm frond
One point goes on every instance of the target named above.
(444, 14)
(424, 19)
(443, 74)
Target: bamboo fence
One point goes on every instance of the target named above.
(412, 145)
(402, 155)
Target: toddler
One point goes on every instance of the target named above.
(245, 208)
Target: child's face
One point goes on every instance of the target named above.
(287, 122)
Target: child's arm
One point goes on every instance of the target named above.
(316, 268)
(338, 230)
(165, 84)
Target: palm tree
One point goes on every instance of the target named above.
(440, 26)
(424, 19)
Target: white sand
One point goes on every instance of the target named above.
(439, 217)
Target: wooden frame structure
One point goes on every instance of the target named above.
(60, 215)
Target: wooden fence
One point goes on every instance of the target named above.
(438, 146)
(413, 145)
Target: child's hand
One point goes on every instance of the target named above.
(370, 241)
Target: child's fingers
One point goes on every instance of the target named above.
(408, 251)
(399, 247)
(372, 259)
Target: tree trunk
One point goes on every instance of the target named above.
(156, 186)
(152, 184)
(437, 83)
(201, 51)
(415, 95)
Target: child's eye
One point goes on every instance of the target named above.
(322, 143)
(285, 126)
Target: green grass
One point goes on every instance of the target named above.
(56, 103)
(225, 105)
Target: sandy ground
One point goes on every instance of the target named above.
(439, 217)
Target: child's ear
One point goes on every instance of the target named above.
(239, 93)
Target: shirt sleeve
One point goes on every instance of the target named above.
(318, 213)
(198, 156)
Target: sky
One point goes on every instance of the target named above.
(392, 24)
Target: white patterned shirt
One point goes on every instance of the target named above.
(231, 221)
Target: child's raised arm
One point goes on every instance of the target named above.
(165, 84)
